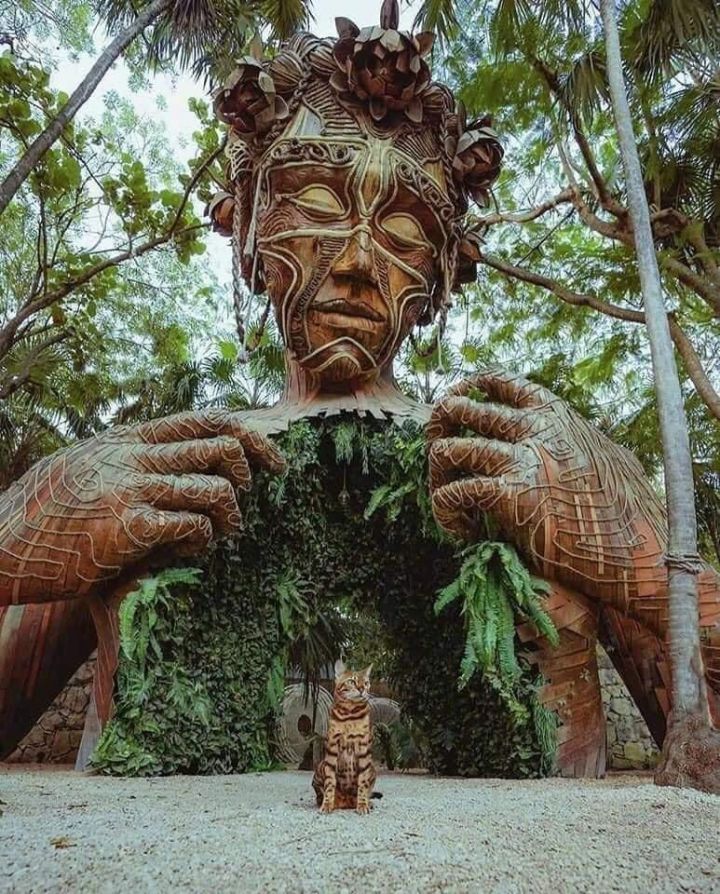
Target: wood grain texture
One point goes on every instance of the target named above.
(639, 657)
(41, 647)
(577, 506)
(572, 687)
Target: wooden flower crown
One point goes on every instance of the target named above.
(372, 82)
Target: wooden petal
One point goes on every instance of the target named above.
(390, 14)
(339, 81)
(266, 83)
(343, 50)
(255, 48)
(425, 41)
(346, 27)
(392, 41)
(415, 111)
(281, 108)
(465, 142)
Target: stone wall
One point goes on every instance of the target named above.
(55, 738)
(629, 743)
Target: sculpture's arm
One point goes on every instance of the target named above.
(578, 506)
(93, 510)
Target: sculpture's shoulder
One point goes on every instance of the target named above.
(390, 407)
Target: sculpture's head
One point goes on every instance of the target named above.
(351, 170)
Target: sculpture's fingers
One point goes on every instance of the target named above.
(207, 494)
(454, 458)
(222, 456)
(212, 424)
(506, 388)
(454, 414)
(457, 506)
(188, 533)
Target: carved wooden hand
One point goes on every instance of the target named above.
(578, 506)
(86, 513)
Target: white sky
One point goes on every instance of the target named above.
(177, 119)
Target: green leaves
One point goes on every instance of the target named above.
(203, 664)
(493, 587)
(495, 590)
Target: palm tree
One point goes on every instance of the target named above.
(184, 31)
(690, 718)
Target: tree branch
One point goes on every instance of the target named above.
(7, 333)
(531, 214)
(691, 360)
(553, 84)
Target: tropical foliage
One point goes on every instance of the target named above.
(312, 577)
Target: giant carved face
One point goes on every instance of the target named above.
(351, 232)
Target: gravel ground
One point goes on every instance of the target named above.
(63, 831)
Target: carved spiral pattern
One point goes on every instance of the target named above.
(86, 513)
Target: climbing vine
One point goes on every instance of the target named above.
(345, 534)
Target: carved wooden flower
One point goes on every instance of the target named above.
(248, 101)
(478, 159)
(383, 67)
(221, 210)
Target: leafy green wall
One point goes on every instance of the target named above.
(347, 531)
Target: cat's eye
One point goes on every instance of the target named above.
(319, 200)
(405, 231)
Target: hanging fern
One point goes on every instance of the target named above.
(493, 587)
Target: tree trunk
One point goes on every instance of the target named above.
(690, 738)
(80, 96)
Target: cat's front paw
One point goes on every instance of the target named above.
(363, 809)
(327, 807)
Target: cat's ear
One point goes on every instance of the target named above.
(339, 668)
(366, 672)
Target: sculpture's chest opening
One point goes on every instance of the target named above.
(340, 553)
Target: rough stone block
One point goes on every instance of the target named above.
(636, 754)
(621, 706)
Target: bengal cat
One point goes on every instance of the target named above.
(344, 779)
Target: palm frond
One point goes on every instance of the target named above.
(669, 30)
(438, 16)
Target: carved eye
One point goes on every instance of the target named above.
(405, 230)
(319, 200)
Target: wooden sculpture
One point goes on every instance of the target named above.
(350, 173)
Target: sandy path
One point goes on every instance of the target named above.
(261, 833)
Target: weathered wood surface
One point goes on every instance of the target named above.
(639, 657)
(41, 647)
(572, 687)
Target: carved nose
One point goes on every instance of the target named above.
(356, 260)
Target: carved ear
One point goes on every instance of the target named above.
(339, 668)
(346, 27)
